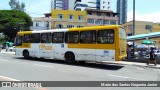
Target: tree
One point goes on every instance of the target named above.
(12, 21)
(15, 5)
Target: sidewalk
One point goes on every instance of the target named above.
(136, 62)
(3, 51)
(143, 62)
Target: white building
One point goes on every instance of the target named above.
(41, 23)
(92, 4)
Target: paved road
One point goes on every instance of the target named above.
(15, 68)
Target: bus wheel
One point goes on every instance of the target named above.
(70, 58)
(26, 54)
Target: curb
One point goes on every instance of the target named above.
(148, 66)
(133, 64)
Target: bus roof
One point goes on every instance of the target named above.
(42, 31)
(70, 29)
(95, 27)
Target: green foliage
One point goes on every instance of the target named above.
(12, 21)
(3, 39)
(15, 5)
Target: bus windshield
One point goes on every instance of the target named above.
(18, 41)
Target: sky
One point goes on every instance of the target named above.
(146, 10)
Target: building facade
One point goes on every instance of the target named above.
(58, 19)
(68, 19)
(122, 11)
(142, 27)
(80, 5)
(41, 23)
(101, 17)
(62, 4)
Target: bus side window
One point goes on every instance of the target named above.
(49, 38)
(43, 38)
(57, 37)
(105, 36)
(27, 38)
(46, 37)
(72, 37)
(35, 37)
(88, 37)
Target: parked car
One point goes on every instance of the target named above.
(7, 44)
(11, 49)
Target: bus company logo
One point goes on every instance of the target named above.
(45, 47)
(106, 53)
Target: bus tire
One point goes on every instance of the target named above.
(26, 54)
(70, 58)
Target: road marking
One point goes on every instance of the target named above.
(44, 66)
(124, 77)
(11, 79)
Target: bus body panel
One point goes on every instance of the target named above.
(59, 51)
(94, 52)
(46, 50)
(105, 55)
(122, 44)
(83, 52)
(19, 52)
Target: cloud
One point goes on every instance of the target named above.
(153, 17)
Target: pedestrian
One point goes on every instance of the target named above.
(6, 47)
(141, 53)
(152, 57)
(129, 53)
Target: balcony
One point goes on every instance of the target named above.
(102, 17)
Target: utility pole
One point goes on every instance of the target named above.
(133, 26)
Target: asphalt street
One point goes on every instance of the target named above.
(14, 68)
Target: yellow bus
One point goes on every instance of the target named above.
(95, 44)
